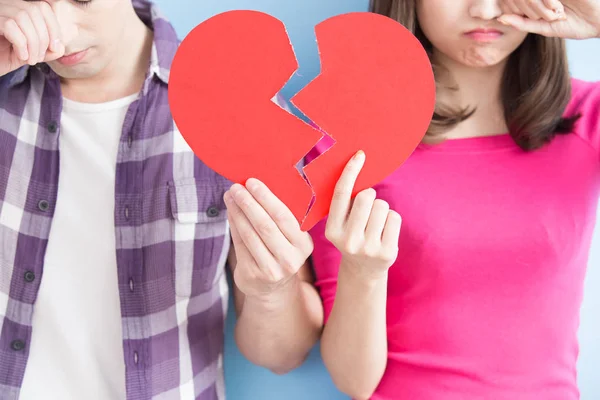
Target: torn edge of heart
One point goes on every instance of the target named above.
(279, 100)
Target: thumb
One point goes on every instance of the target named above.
(541, 27)
(55, 55)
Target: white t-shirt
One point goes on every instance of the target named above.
(76, 347)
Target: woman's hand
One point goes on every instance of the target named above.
(569, 19)
(365, 230)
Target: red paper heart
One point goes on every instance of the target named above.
(376, 93)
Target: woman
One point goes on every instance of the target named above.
(478, 296)
(483, 299)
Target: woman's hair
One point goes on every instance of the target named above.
(535, 90)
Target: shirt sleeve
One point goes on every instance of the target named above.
(326, 263)
(585, 101)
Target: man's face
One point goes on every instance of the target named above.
(93, 32)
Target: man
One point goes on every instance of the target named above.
(113, 236)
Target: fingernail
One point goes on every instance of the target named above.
(55, 46)
(359, 155)
(227, 197)
(503, 22)
(252, 184)
(236, 190)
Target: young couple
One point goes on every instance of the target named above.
(114, 237)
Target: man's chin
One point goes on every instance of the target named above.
(80, 71)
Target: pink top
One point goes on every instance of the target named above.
(484, 299)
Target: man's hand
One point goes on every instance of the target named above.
(568, 19)
(269, 245)
(29, 34)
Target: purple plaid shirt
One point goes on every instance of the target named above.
(172, 236)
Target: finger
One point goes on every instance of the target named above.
(241, 251)
(377, 220)
(24, 21)
(342, 194)
(263, 225)
(527, 8)
(506, 8)
(391, 232)
(279, 212)
(557, 7)
(262, 256)
(544, 11)
(539, 27)
(512, 7)
(54, 31)
(361, 210)
(17, 38)
(39, 24)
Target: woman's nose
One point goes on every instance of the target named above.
(485, 9)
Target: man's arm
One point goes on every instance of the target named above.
(279, 331)
(280, 316)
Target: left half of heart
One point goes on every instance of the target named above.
(223, 78)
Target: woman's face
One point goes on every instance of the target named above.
(467, 32)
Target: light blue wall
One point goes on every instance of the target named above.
(246, 382)
(584, 58)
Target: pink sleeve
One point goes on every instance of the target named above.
(326, 262)
(325, 258)
(586, 101)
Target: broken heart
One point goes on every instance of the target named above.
(376, 93)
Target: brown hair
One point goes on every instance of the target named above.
(536, 86)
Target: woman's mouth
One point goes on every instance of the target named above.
(484, 35)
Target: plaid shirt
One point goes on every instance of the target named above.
(171, 230)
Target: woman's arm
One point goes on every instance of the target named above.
(354, 343)
(366, 232)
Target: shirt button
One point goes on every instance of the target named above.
(44, 205)
(17, 345)
(213, 211)
(29, 276)
(52, 127)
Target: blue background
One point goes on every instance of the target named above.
(311, 381)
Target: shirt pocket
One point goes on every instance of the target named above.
(200, 235)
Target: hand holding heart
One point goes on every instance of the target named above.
(569, 19)
(365, 230)
(270, 247)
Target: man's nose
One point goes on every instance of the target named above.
(66, 20)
